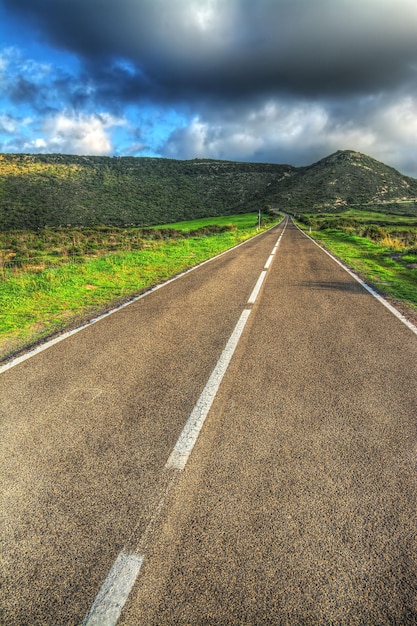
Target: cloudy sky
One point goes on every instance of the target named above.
(282, 81)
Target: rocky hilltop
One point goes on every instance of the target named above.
(343, 179)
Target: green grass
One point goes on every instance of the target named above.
(380, 248)
(245, 220)
(359, 217)
(392, 272)
(39, 300)
(376, 217)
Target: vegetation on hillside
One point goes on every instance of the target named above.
(349, 179)
(38, 191)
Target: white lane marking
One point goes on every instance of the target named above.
(376, 295)
(279, 239)
(182, 449)
(257, 287)
(65, 335)
(113, 594)
(269, 261)
(115, 590)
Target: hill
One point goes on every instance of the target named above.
(57, 190)
(348, 178)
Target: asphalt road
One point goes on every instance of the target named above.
(297, 503)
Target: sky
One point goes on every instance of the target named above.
(277, 81)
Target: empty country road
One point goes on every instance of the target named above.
(296, 505)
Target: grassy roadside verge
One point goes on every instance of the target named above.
(39, 301)
(391, 271)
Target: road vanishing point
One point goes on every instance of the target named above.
(237, 447)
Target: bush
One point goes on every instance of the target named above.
(374, 232)
(393, 242)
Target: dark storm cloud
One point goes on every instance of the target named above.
(22, 90)
(265, 80)
(236, 48)
(43, 87)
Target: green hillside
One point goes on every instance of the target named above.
(59, 190)
(347, 179)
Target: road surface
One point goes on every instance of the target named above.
(295, 504)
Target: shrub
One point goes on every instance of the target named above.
(374, 232)
(392, 242)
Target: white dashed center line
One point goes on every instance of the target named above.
(115, 590)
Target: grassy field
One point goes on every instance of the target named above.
(245, 220)
(55, 278)
(357, 218)
(375, 217)
(381, 248)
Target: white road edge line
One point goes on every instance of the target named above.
(114, 592)
(65, 335)
(376, 295)
(183, 448)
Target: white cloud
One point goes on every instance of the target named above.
(399, 120)
(395, 128)
(70, 133)
(271, 127)
(13, 60)
(300, 133)
(11, 125)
